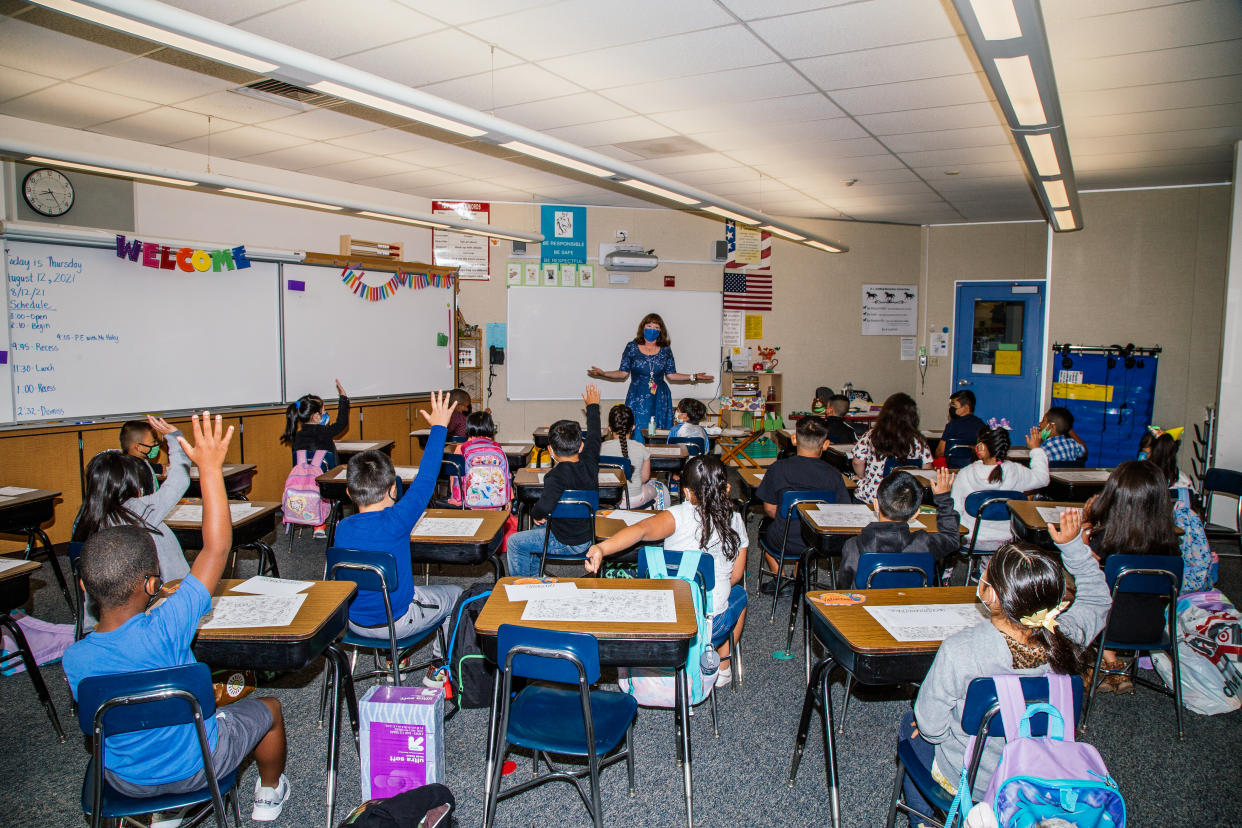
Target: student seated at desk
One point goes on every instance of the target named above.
(121, 571)
(705, 520)
(1202, 564)
(1032, 632)
(963, 425)
(487, 483)
(1056, 430)
(577, 467)
(119, 493)
(139, 440)
(461, 410)
(805, 471)
(993, 470)
(307, 426)
(686, 422)
(840, 432)
(384, 524)
(896, 501)
(621, 443)
(895, 436)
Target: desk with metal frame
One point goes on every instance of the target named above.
(346, 449)
(237, 478)
(25, 514)
(333, 488)
(528, 488)
(249, 532)
(14, 593)
(1076, 484)
(854, 641)
(481, 547)
(1026, 523)
(621, 644)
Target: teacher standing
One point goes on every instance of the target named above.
(648, 361)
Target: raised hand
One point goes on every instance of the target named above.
(591, 395)
(211, 442)
(441, 409)
(943, 482)
(340, 390)
(1069, 527)
(159, 425)
(1033, 438)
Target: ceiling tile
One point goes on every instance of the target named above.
(1164, 120)
(482, 166)
(314, 154)
(1151, 97)
(752, 135)
(952, 157)
(363, 25)
(919, 94)
(692, 53)
(711, 178)
(1143, 142)
(15, 82)
(438, 155)
(987, 136)
(583, 108)
(819, 183)
(320, 125)
(361, 168)
(54, 54)
(673, 165)
(72, 106)
(246, 140)
(504, 87)
(415, 180)
(237, 107)
(1147, 29)
(855, 27)
(961, 116)
(386, 142)
(813, 152)
(753, 9)
(162, 126)
(775, 80)
(890, 64)
(809, 107)
(152, 80)
(431, 58)
(585, 25)
(227, 11)
(458, 13)
(612, 131)
(1011, 167)
(1204, 60)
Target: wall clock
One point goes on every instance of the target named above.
(48, 192)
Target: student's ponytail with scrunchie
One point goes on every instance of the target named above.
(1030, 587)
(997, 442)
(621, 423)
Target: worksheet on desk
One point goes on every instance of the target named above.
(1082, 475)
(853, 515)
(346, 446)
(927, 622)
(1050, 514)
(14, 491)
(664, 451)
(629, 518)
(231, 612)
(442, 527)
(193, 512)
(7, 563)
(640, 606)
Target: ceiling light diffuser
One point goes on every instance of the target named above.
(660, 191)
(385, 105)
(73, 165)
(297, 202)
(1044, 154)
(997, 19)
(1058, 198)
(1019, 81)
(556, 158)
(720, 211)
(782, 232)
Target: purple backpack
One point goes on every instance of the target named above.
(1049, 777)
(301, 503)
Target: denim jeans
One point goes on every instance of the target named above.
(524, 549)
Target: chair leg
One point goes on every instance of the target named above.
(1177, 685)
(37, 535)
(235, 799)
(629, 757)
(896, 798)
(323, 690)
(776, 593)
(32, 670)
(1095, 682)
(715, 726)
(845, 702)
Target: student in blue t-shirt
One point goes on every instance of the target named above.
(120, 572)
(383, 524)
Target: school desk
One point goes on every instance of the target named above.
(249, 532)
(754, 477)
(669, 459)
(314, 631)
(528, 488)
(606, 527)
(332, 487)
(237, 479)
(473, 550)
(1028, 525)
(14, 593)
(840, 455)
(621, 644)
(346, 449)
(857, 643)
(1076, 484)
(25, 514)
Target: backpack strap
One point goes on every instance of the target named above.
(689, 566)
(1061, 695)
(1012, 704)
(299, 457)
(317, 458)
(656, 567)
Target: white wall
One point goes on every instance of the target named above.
(1229, 435)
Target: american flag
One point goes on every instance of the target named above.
(747, 291)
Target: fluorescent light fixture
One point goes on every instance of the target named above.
(556, 158)
(491, 234)
(1064, 219)
(73, 165)
(660, 191)
(1058, 198)
(385, 105)
(997, 19)
(1019, 81)
(821, 246)
(1044, 154)
(402, 219)
(297, 202)
(781, 232)
(158, 35)
(720, 211)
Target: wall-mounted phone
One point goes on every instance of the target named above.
(496, 355)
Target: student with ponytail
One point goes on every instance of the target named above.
(307, 427)
(994, 470)
(622, 444)
(1033, 630)
(705, 520)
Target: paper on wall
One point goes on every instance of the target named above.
(926, 622)
(907, 347)
(731, 329)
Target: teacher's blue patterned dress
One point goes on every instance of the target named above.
(649, 394)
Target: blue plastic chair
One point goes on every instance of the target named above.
(789, 501)
(892, 464)
(581, 504)
(1228, 483)
(1157, 576)
(555, 720)
(130, 702)
(624, 464)
(452, 465)
(979, 716)
(986, 504)
(959, 455)
(694, 445)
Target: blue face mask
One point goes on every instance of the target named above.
(651, 334)
(324, 419)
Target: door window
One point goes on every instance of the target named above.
(996, 344)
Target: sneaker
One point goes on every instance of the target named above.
(435, 678)
(167, 819)
(320, 534)
(724, 676)
(269, 802)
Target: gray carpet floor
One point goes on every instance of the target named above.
(739, 778)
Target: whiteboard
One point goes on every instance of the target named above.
(96, 334)
(6, 374)
(374, 348)
(556, 334)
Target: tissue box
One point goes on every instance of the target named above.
(402, 739)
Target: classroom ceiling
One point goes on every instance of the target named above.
(872, 110)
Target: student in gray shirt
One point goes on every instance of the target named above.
(1032, 632)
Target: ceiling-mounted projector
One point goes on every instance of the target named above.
(631, 258)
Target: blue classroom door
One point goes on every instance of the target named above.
(998, 350)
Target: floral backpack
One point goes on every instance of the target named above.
(486, 482)
(301, 502)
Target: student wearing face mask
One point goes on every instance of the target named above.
(308, 427)
(139, 440)
(648, 362)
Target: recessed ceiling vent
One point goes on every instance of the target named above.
(663, 147)
(286, 94)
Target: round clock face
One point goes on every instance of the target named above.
(48, 192)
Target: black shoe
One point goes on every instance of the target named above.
(787, 589)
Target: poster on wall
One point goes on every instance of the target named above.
(461, 250)
(890, 310)
(564, 234)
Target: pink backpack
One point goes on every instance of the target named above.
(486, 484)
(301, 503)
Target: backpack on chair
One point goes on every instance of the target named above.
(301, 502)
(486, 482)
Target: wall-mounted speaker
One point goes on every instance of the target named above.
(720, 251)
(519, 248)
